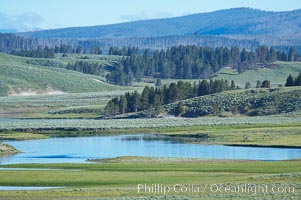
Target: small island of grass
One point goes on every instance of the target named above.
(7, 149)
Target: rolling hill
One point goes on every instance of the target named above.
(270, 28)
(252, 102)
(277, 73)
(20, 77)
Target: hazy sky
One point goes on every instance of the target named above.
(32, 14)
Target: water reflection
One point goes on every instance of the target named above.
(173, 139)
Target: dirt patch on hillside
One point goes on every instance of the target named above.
(99, 81)
(30, 92)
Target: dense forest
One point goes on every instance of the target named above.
(9, 42)
(47, 52)
(186, 62)
(153, 98)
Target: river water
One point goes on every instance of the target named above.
(79, 149)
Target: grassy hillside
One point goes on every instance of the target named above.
(21, 76)
(60, 60)
(276, 74)
(68, 105)
(250, 102)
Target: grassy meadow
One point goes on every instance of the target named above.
(69, 105)
(18, 74)
(116, 179)
(277, 74)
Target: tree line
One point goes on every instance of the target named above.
(154, 97)
(40, 52)
(47, 52)
(186, 62)
(78, 49)
(125, 51)
(9, 42)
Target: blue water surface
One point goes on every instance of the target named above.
(79, 149)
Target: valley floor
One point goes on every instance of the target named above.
(119, 178)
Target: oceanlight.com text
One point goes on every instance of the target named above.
(249, 189)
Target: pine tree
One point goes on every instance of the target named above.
(272, 57)
(258, 84)
(122, 104)
(203, 88)
(291, 55)
(157, 102)
(179, 109)
(266, 84)
(248, 85)
(145, 99)
(135, 102)
(172, 93)
(109, 109)
(158, 82)
(290, 81)
(243, 56)
(232, 87)
(298, 80)
(284, 57)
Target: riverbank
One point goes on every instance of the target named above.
(145, 159)
(280, 135)
(21, 136)
(8, 149)
(275, 136)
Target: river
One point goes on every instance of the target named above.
(79, 149)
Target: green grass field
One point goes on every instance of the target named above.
(144, 123)
(18, 76)
(280, 135)
(120, 179)
(69, 105)
(277, 75)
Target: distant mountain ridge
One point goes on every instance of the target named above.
(184, 25)
(271, 28)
